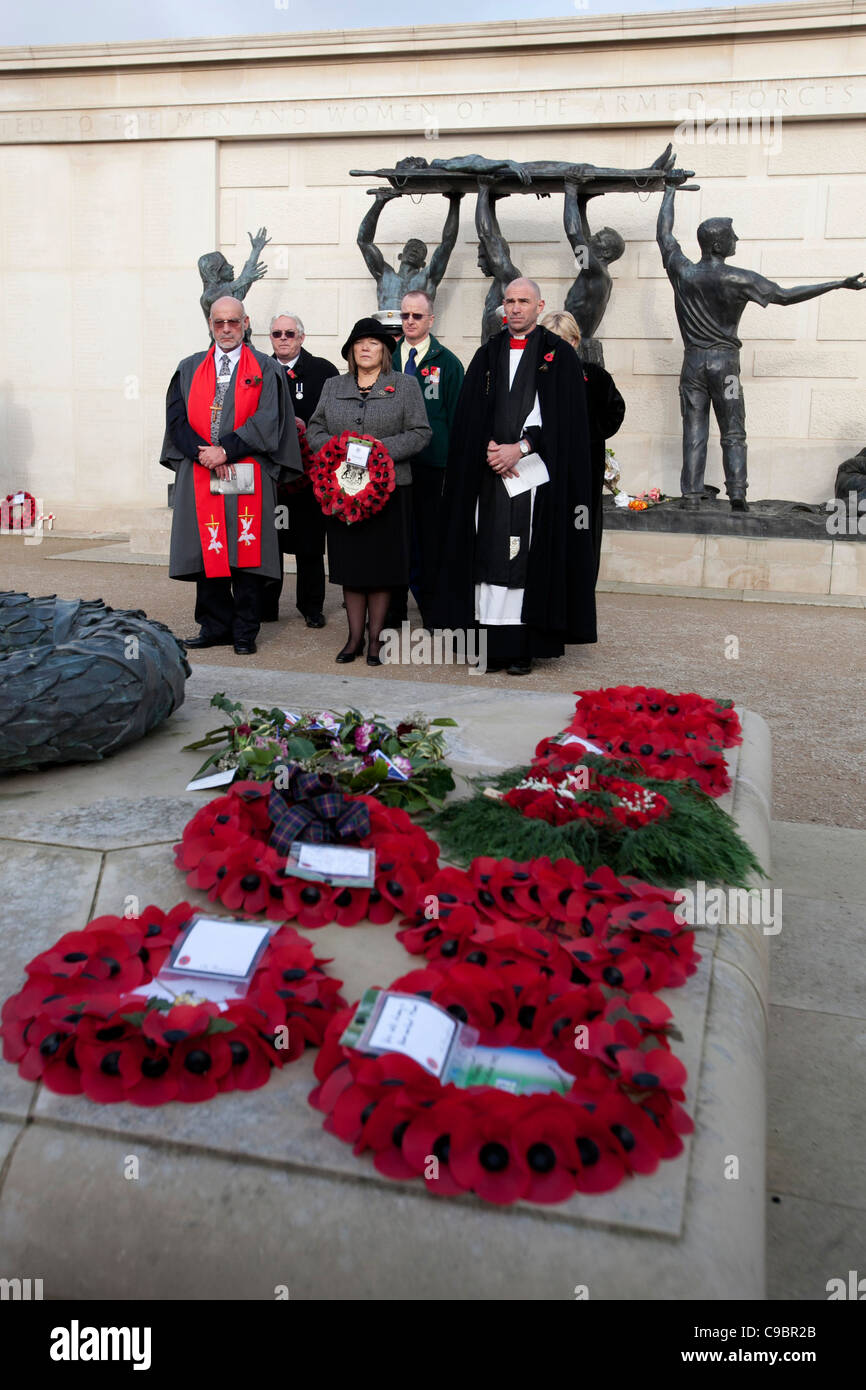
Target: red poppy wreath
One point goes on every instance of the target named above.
(225, 852)
(620, 1115)
(84, 1022)
(674, 737)
(331, 475)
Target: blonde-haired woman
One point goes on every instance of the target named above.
(606, 409)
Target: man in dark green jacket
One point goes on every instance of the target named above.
(440, 375)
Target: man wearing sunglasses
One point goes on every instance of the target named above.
(305, 535)
(440, 375)
(230, 439)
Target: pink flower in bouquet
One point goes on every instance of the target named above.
(363, 736)
(655, 494)
(338, 750)
(403, 764)
(326, 720)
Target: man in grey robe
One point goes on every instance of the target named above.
(227, 606)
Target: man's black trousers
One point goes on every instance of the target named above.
(228, 609)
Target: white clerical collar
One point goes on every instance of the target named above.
(234, 356)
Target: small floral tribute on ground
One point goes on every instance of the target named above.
(404, 765)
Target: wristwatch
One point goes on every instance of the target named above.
(525, 447)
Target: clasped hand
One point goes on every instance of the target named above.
(214, 456)
(503, 457)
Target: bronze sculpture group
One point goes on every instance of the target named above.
(710, 295)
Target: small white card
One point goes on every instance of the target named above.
(221, 947)
(590, 747)
(531, 472)
(212, 779)
(336, 859)
(415, 1028)
(358, 454)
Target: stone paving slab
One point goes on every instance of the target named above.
(830, 855)
(809, 1243)
(247, 1180)
(44, 891)
(821, 963)
(817, 1150)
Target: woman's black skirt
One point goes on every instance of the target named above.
(374, 553)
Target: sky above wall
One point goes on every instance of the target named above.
(107, 21)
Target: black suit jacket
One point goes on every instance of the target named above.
(306, 380)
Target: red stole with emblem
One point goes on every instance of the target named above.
(210, 507)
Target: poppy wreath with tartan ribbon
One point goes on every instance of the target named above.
(84, 1023)
(371, 498)
(303, 481)
(233, 850)
(586, 999)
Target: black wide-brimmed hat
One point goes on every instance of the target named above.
(368, 328)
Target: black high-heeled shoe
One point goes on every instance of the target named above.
(374, 660)
(349, 653)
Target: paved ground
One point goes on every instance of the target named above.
(799, 666)
(816, 1107)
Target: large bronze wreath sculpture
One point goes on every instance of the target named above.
(78, 680)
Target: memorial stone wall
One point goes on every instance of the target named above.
(120, 165)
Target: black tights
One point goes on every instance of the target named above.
(360, 603)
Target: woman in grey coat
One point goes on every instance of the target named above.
(371, 557)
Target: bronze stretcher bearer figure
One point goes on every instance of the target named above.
(710, 297)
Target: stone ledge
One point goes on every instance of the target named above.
(248, 1191)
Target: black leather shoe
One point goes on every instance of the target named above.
(269, 618)
(373, 658)
(315, 619)
(245, 648)
(520, 668)
(207, 641)
(349, 653)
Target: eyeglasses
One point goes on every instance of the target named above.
(226, 323)
(283, 333)
(416, 317)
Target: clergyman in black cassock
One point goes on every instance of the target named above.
(523, 568)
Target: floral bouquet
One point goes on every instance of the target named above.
(401, 766)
